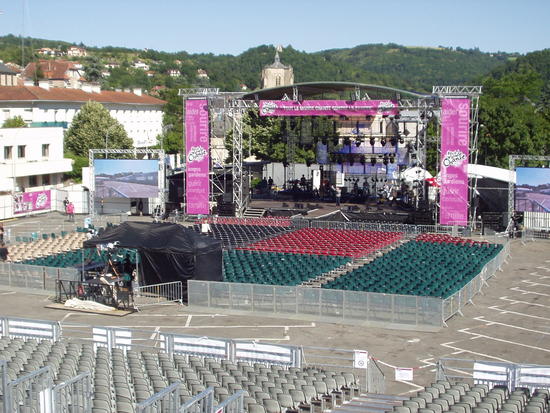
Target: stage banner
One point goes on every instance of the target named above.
(455, 139)
(328, 107)
(197, 139)
(32, 201)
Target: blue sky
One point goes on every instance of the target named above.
(532, 176)
(224, 26)
(110, 166)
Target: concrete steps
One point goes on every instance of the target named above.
(372, 403)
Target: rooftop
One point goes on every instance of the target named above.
(36, 93)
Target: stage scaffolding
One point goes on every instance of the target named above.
(472, 93)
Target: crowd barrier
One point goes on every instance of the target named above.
(35, 276)
(493, 373)
(348, 307)
(158, 294)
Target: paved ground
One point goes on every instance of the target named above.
(510, 322)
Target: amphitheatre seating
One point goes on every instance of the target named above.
(276, 268)
(233, 235)
(349, 243)
(269, 221)
(122, 379)
(50, 245)
(443, 396)
(420, 268)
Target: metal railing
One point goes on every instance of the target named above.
(3, 382)
(29, 392)
(74, 395)
(493, 373)
(233, 404)
(158, 294)
(34, 276)
(165, 401)
(110, 295)
(376, 381)
(201, 403)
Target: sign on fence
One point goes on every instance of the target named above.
(360, 359)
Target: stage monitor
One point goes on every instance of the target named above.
(532, 189)
(126, 178)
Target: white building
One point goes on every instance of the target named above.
(141, 115)
(32, 158)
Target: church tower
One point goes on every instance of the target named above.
(277, 74)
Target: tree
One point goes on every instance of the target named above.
(93, 69)
(94, 128)
(15, 122)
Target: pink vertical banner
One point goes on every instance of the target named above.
(455, 140)
(197, 139)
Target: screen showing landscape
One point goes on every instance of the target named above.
(533, 189)
(125, 178)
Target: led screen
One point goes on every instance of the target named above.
(126, 178)
(533, 189)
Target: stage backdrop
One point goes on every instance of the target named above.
(197, 139)
(455, 139)
(532, 189)
(328, 108)
(126, 178)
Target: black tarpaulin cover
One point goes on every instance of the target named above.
(168, 252)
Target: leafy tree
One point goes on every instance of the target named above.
(94, 128)
(93, 69)
(15, 122)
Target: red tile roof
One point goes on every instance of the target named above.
(33, 93)
(51, 69)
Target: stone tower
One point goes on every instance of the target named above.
(277, 74)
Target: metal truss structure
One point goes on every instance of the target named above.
(473, 93)
(512, 161)
(159, 153)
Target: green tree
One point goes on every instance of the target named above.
(15, 122)
(93, 69)
(94, 128)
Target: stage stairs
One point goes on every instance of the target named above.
(370, 403)
(254, 213)
(322, 279)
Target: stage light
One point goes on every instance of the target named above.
(358, 142)
(392, 158)
(383, 142)
(372, 141)
(373, 161)
(368, 118)
(393, 141)
(385, 159)
(401, 140)
(362, 160)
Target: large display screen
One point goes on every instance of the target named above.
(532, 189)
(126, 178)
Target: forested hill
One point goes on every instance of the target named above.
(412, 68)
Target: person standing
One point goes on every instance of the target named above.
(70, 211)
(3, 251)
(338, 192)
(1, 233)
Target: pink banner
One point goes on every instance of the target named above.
(455, 139)
(328, 108)
(32, 201)
(197, 139)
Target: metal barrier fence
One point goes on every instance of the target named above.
(233, 404)
(74, 395)
(493, 373)
(165, 401)
(158, 294)
(29, 392)
(110, 295)
(369, 379)
(201, 403)
(34, 276)
(348, 307)
(454, 304)
(340, 306)
(3, 381)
